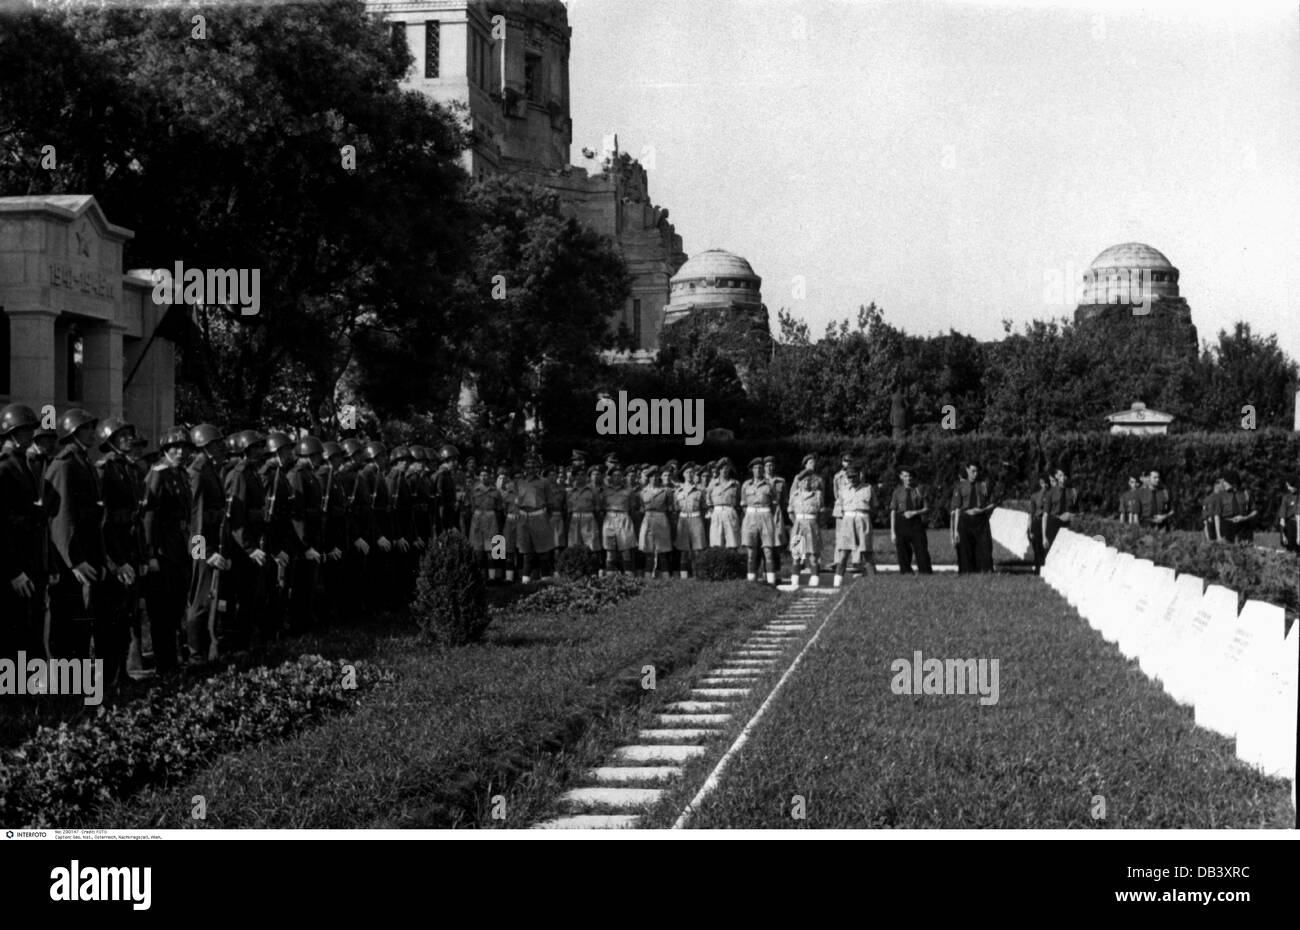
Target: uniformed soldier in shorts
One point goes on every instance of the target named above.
(758, 529)
(655, 539)
(780, 497)
(584, 501)
(536, 536)
(853, 525)
(688, 511)
(724, 499)
(806, 503)
(617, 533)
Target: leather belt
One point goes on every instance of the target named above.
(533, 513)
(865, 512)
(752, 509)
(688, 513)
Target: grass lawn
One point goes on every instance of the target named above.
(1074, 721)
(460, 727)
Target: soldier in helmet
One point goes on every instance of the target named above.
(406, 559)
(421, 484)
(167, 509)
(210, 586)
(446, 508)
(24, 538)
(335, 541)
(76, 530)
(308, 511)
(375, 491)
(122, 492)
(359, 528)
(282, 510)
(249, 546)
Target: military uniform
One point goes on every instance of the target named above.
(688, 504)
(486, 506)
(1128, 506)
(308, 510)
(359, 528)
(249, 582)
(656, 532)
(617, 534)
(405, 564)
(1151, 503)
(853, 526)
(1286, 516)
(974, 538)
(446, 499)
(724, 526)
(76, 531)
(584, 502)
(536, 501)
(334, 536)
(807, 495)
(120, 485)
(24, 550)
(1056, 501)
(909, 532)
(758, 530)
(380, 581)
(1233, 503)
(167, 507)
(1036, 527)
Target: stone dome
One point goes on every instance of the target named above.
(1123, 273)
(715, 263)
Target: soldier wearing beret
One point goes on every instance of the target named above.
(758, 530)
(806, 503)
(723, 499)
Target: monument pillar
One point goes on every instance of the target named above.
(102, 369)
(31, 355)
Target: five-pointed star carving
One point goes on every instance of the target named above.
(83, 243)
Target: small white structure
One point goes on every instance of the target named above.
(1139, 421)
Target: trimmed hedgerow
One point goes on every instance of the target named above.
(719, 565)
(58, 776)
(450, 605)
(1256, 574)
(577, 562)
(583, 596)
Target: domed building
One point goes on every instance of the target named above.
(1133, 287)
(717, 293)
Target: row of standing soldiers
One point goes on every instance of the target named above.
(224, 540)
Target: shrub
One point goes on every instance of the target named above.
(1258, 574)
(59, 775)
(450, 605)
(577, 562)
(583, 596)
(719, 565)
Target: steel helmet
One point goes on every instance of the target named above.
(309, 445)
(331, 450)
(419, 453)
(401, 454)
(352, 447)
(176, 436)
(276, 440)
(248, 439)
(17, 416)
(374, 451)
(204, 434)
(72, 420)
(110, 427)
(232, 443)
(448, 451)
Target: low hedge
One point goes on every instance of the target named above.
(450, 605)
(719, 565)
(58, 776)
(1256, 574)
(580, 596)
(577, 562)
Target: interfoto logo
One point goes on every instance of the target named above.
(87, 883)
(658, 416)
(946, 676)
(53, 676)
(213, 287)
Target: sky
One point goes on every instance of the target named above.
(951, 161)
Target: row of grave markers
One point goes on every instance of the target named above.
(1238, 670)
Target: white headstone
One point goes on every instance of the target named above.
(1148, 612)
(1256, 637)
(1266, 730)
(1096, 599)
(1208, 632)
(1170, 628)
(1110, 598)
(1137, 582)
(1009, 529)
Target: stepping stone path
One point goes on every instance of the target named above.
(634, 777)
